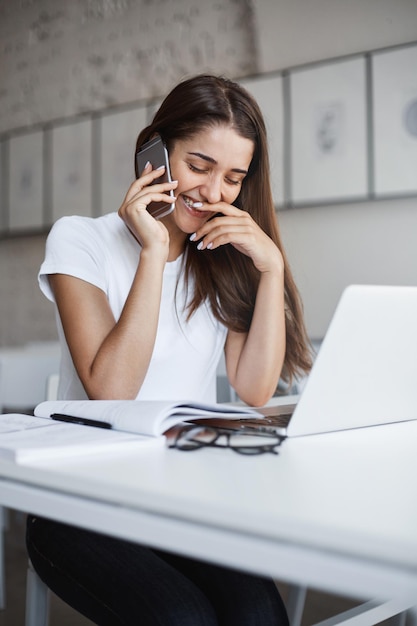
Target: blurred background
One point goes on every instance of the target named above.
(91, 72)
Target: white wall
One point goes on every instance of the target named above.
(292, 32)
(332, 246)
(59, 58)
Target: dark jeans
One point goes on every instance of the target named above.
(114, 582)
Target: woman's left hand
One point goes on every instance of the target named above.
(238, 228)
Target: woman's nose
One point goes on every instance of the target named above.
(212, 190)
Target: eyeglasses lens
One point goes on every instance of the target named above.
(194, 438)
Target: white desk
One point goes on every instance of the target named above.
(336, 512)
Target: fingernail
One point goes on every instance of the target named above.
(192, 237)
(209, 246)
(147, 164)
(197, 205)
(200, 246)
(161, 167)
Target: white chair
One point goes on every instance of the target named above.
(37, 599)
(23, 372)
(3, 515)
(295, 604)
(52, 383)
(37, 592)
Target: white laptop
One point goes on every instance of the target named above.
(365, 373)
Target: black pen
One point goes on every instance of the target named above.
(84, 421)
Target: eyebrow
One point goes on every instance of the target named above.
(209, 159)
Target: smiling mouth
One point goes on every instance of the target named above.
(193, 205)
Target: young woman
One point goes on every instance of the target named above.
(145, 310)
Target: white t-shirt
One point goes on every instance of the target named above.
(103, 252)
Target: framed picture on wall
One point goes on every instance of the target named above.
(26, 169)
(327, 138)
(268, 92)
(117, 153)
(394, 96)
(71, 166)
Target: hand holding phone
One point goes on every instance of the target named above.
(156, 153)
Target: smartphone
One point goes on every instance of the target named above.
(155, 151)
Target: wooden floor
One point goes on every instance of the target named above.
(318, 606)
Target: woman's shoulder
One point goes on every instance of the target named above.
(109, 222)
(85, 247)
(77, 227)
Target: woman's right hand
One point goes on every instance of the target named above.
(150, 233)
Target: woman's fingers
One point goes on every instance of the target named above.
(133, 210)
(147, 179)
(145, 197)
(241, 231)
(140, 196)
(222, 229)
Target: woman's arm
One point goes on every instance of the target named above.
(112, 357)
(254, 360)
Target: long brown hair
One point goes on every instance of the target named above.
(224, 277)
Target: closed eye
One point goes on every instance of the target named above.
(233, 182)
(193, 168)
(198, 170)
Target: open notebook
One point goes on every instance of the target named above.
(365, 373)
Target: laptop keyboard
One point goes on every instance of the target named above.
(275, 417)
(274, 421)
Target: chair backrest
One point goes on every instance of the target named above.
(52, 387)
(225, 393)
(24, 372)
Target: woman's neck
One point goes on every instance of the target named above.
(176, 245)
(177, 239)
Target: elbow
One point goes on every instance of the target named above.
(256, 397)
(109, 395)
(256, 393)
(256, 400)
(99, 391)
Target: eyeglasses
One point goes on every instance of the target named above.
(191, 438)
